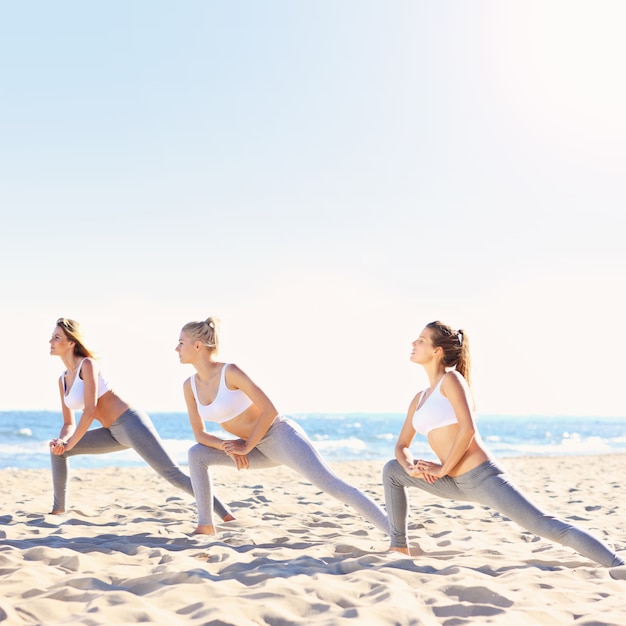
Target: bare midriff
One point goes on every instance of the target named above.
(110, 406)
(243, 424)
(440, 440)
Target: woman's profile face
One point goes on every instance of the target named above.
(422, 347)
(185, 347)
(59, 343)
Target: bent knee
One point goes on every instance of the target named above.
(197, 454)
(390, 468)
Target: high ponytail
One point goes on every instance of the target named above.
(455, 346)
(205, 331)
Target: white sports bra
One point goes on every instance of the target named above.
(434, 412)
(75, 398)
(228, 403)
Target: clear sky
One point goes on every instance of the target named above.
(326, 176)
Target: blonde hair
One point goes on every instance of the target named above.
(205, 331)
(73, 332)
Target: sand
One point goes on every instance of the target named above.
(122, 553)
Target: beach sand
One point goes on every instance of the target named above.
(122, 554)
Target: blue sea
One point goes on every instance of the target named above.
(24, 437)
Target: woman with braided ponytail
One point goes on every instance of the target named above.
(223, 393)
(464, 470)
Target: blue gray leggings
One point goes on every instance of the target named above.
(133, 429)
(488, 484)
(285, 443)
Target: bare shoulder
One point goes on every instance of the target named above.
(453, 381)
(89, 365)
(234, 374)
(415, 401)
(233, 368)
(236, 378)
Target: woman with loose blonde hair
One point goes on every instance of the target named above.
(83, 388)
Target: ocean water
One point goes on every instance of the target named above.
(24, 437)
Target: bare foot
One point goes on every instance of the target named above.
(401, 550)
(56, 512)
(204, 530)
(229, 517)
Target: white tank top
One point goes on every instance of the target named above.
(228, 403)
(434, 412)
(75, 398)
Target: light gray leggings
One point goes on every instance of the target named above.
(285, 443)
(133, 429)
(488, 484)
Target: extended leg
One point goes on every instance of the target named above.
(287, 444)
(500, 494)
(135, 430)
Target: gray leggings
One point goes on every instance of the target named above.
(488, 484)
(133, 429)
(285, 443)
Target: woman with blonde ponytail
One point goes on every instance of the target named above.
(259, 437)
(464, 470)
